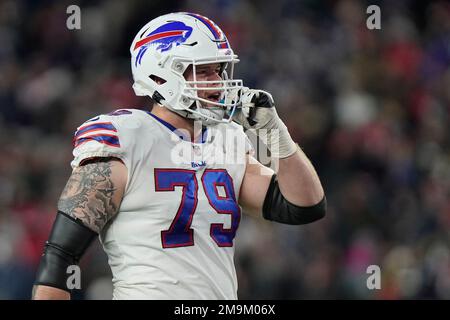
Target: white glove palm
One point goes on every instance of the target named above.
(258, 112)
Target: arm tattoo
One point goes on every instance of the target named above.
(88, 195)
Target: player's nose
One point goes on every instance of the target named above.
(215, 77)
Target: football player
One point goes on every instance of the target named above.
(165, 194)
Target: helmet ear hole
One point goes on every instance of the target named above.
(193, 106)
(157, 79)
(188, 71)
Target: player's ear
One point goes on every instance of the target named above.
(188, 72)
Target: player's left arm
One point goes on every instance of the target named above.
(293, 195)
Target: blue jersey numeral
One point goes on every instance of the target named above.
(180, 233)
(227, 204)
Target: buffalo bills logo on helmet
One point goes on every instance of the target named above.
(165, 37)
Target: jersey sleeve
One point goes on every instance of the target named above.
(98, 137)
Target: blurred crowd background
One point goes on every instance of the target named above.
(369, 107)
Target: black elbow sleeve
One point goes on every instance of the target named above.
(277, 208)
(68, 241)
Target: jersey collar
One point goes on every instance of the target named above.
(179, 133)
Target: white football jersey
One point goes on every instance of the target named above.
(173, 235)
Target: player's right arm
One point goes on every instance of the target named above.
(92, 196)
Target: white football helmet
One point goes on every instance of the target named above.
(162, 51)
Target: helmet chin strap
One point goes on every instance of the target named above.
(215, 114)
(203, 116)
(206, 116)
